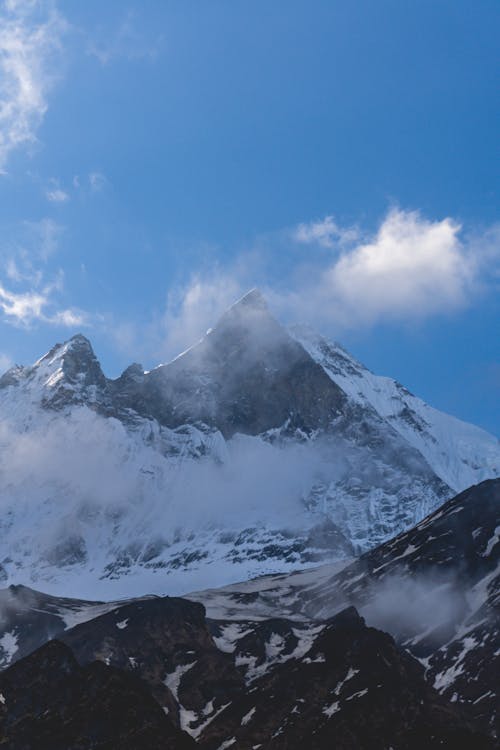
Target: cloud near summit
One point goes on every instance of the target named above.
(410, 268)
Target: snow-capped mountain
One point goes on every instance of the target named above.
(255, 451)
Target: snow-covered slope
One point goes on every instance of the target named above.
(251, 453)
(461, 454)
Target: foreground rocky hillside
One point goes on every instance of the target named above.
(351, 682)
(283, 661)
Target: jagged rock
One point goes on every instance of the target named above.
(353, 688)
(49, 702)
(166, 642)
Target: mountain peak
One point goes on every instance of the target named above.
(253, 299)
(78, 345)
(71, 366)
(81, 341)
(249, 313)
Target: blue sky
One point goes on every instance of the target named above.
(160, 158)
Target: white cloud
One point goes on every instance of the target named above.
(97, 181)
(410, 268)
(33, 289)
(30, 37)
(69, 318)
(26, 308)
(325, 232)
(56, 195)
(22, 307)
(190, 310)
(413, 267)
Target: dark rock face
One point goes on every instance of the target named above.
(436, 588)
(28, 619)
(166, 642)
(83, 380)
(49, 702)
(353, 688)
(281, 682)
(351, 685)
(247, 375)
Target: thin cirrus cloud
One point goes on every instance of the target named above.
(30, 39)
(125, 41)
(325, 232)
(30, 291)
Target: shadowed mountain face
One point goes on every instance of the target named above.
(353, 688)
(247, 375)
(50, 702)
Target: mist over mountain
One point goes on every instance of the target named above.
(257, 450)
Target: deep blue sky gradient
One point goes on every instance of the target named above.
(218, 123)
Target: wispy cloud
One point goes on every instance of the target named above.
(325, 232)
(189, 310)
(124, 41)
(30, 38)
(27, 308)
(29, 291)
(56, 195)
(192, 309)
(5, 362)
(93, 182)
(97, 181)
